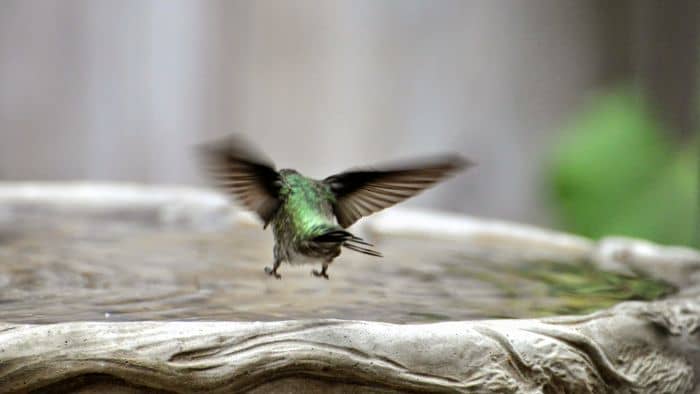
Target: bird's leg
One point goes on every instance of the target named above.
(323, 273)
(273, 271)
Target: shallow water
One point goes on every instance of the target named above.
(55, 269)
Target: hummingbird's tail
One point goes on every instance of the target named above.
(347, 240)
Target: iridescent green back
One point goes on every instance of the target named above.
(306, 207)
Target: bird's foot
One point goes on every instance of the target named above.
(322, 274)
(272, 272)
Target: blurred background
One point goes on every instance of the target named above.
(581, 114)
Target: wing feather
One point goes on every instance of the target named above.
(244, 174)
(363, 192)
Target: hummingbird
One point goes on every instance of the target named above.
(309, 217)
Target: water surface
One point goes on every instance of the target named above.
(55, 269)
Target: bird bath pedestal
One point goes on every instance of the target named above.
(127, 288)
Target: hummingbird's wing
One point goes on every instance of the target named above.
(245, 174)
(363, 192)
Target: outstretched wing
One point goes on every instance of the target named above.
(245, 174)
(363, 192)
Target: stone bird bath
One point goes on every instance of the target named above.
(128, 288)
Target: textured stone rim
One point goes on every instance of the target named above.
(635, 347)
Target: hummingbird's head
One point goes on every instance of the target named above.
(288, 171)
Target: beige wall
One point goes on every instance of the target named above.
(120, 90)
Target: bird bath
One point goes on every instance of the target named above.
(133, 288)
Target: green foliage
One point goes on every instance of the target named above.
(616, 173)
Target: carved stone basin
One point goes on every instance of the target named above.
(127, 288)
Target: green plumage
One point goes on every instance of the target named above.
(308, 204)
(305, 213)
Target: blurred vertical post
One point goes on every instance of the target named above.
(669, 71)
(669, 62)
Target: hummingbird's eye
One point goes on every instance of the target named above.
(336, 185)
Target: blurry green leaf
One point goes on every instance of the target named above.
(616, 173)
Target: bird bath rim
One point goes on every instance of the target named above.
(626, 348)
